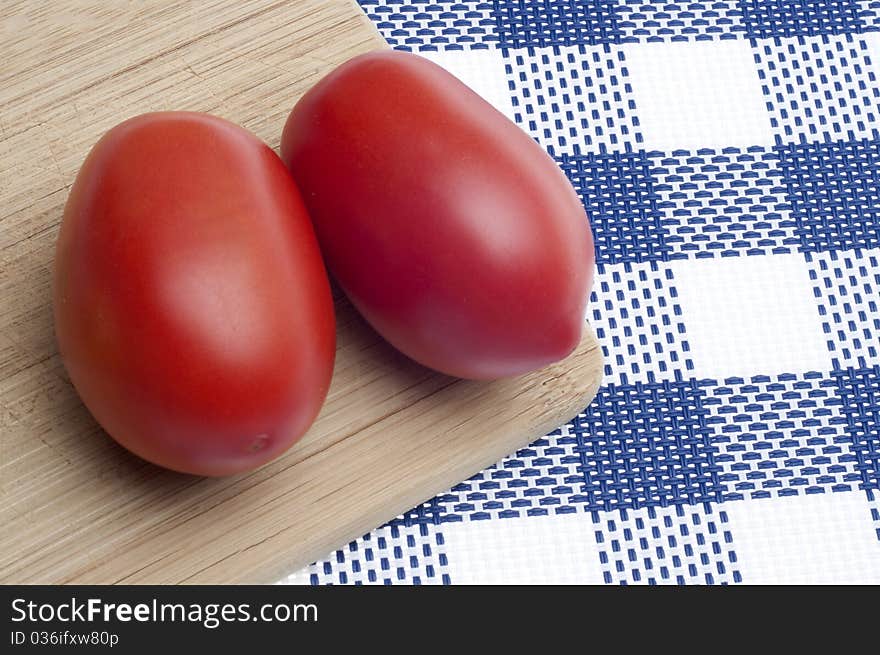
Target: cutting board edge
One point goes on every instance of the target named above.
(274, 575)
(289, 561)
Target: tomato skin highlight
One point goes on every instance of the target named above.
(452, 231)
(192, 308)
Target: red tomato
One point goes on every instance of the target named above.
(451, 230)
(192, 308)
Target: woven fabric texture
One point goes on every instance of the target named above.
(728, 156)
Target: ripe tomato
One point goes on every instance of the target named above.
(451, 230)
(192, 308)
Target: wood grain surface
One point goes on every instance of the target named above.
(74, 506)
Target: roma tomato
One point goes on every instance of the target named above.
(452, 231)
(192, 308)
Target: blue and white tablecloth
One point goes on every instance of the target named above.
(728, 156)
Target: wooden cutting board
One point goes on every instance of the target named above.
(74, 506)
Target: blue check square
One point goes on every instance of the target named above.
(617, 190)
(833, 193)
(648, 445)
(524, 23)
(786, 18)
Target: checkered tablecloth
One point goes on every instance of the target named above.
(728, 156)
